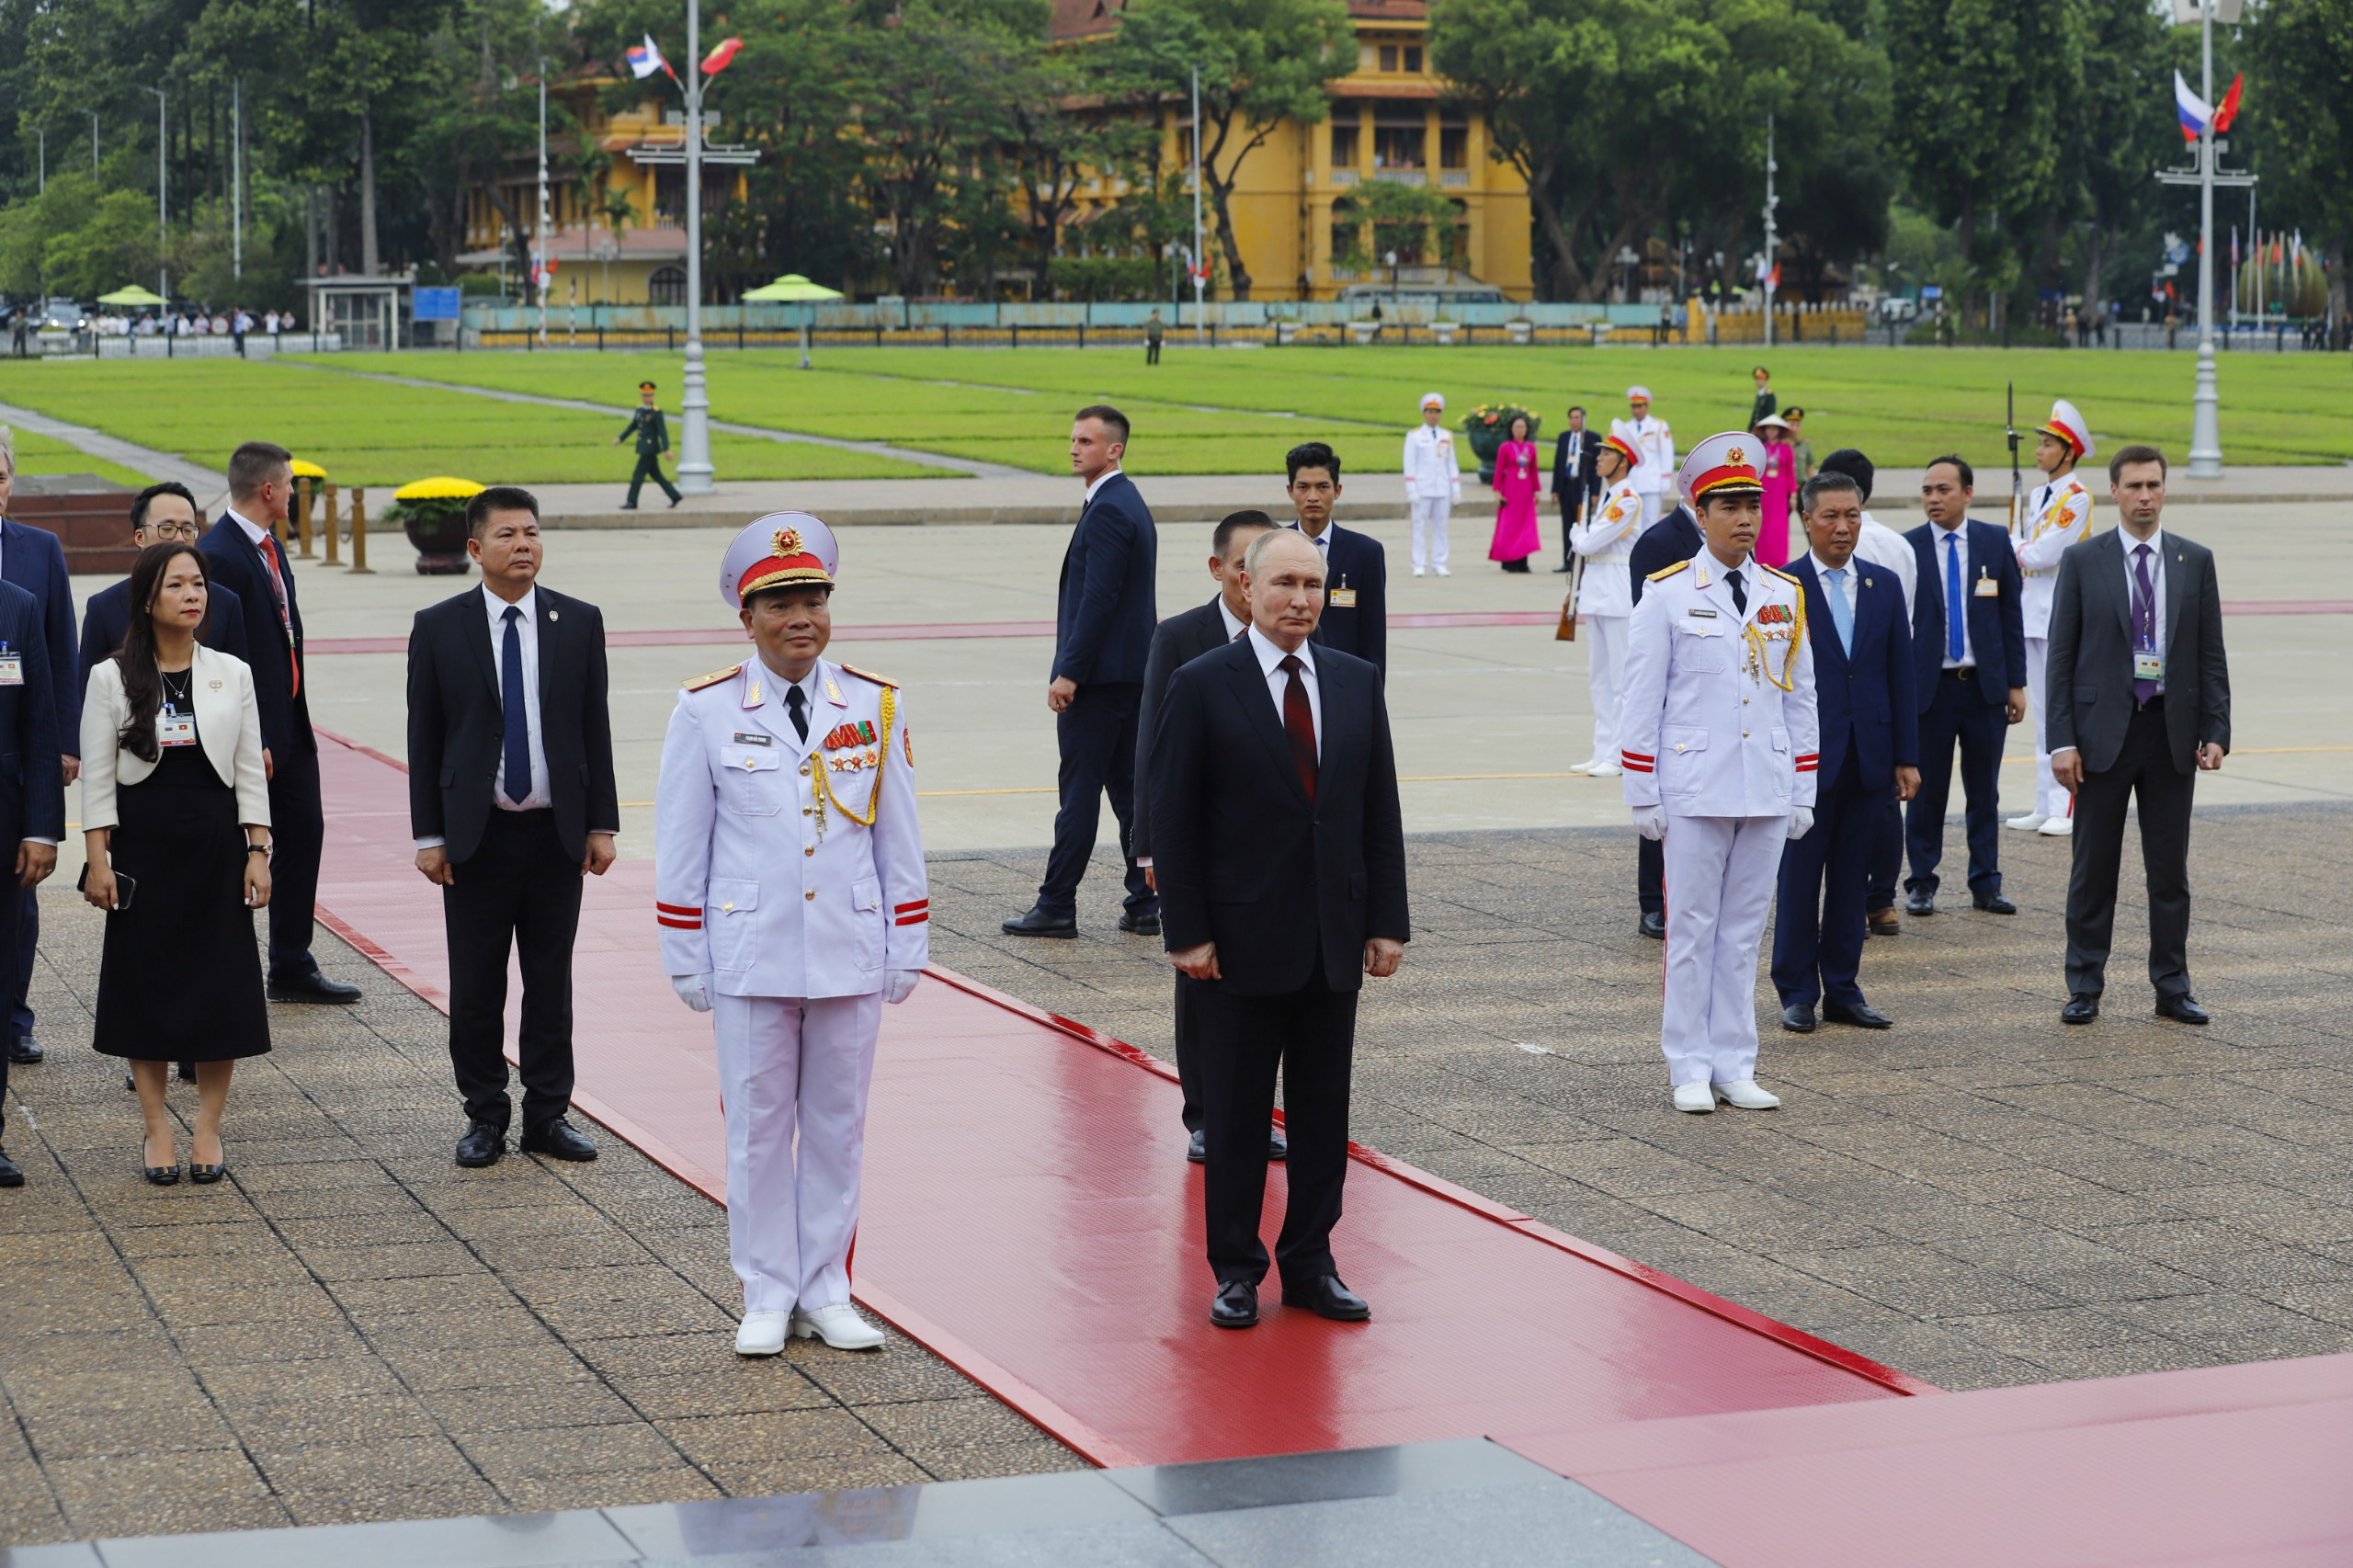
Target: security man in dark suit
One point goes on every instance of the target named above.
(1103, 626)
(1576, 479)
(1672, 538)
(511, 799)
(34, 560)
(1274, 803)
(32, 786)
(653, 439)
(1970, 681)
(1869, 750)
(242, 552)
(2139, 705)
(1356, 611)
(1183, 638)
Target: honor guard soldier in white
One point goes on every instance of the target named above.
(1719, 738)
(1654, 443)
(2058, 514)
(1433, 483)
(791, 894)
(1605, 592)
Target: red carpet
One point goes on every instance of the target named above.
(1030, 1217)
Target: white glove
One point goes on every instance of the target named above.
(694, 990)
(1801, 821)
(1650, 823)
(898, 985)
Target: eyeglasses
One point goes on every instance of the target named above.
(175, 531)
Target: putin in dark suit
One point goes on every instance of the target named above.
(1970, 682)
(2140, 702)
(1870, 752)
(1103, 625)
(1281, 862)
(1356, 569)
(511, 799)
(1183, 638)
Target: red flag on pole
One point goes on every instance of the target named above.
(2228, 109)
(717, 60)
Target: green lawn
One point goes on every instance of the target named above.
(1235, 411)
(376, 432)
(46, 454)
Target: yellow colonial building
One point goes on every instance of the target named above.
(1387, 123)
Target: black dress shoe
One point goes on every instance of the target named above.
(1884, 923)
(24, 1050)
(1278, 1145)
(1036, 922)
(1236, 1305)
(11, 1173)
(1919, 901)
(187, 1072)
(2182, 1010)
(2081, 1008)
(1654, 925)
(557, 1141)
(1558, 570)
(1993, 904)
(1798, 1018)
(1328, 1298)
(205, 1175)
(161, 1176)
(482, 1146)
(313, 987)
(1861, 1016)
(627, 506)
(1141, 924)
(1197, 1148)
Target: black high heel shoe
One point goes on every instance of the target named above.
(161, 1176)
(205, 1175)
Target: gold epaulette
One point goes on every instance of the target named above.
(1784, 576)
(1663, 573)
(713, 678)
(870, 675)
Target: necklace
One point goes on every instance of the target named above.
(178, 690)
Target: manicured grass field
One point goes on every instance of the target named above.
(46, 454)
(377, 432)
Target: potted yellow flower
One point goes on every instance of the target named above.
(432, 512)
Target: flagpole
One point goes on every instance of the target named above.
(539, 262)
(2205, 419)
(694, 434)
(1772, 243)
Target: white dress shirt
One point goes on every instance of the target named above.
(1952, 538)
(1882, 546)
(527, 627)
(1097, 483)
(2156, 544)
(1233, 623)
(1323, 543)
(1270, 658)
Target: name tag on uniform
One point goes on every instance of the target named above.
(2148, 667)
(12, 669)
(1988, 589)
(1344, 598)
(1702, 614)
(752, 740)
(175, 728)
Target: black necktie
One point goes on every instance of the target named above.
(1739, 594)
(797, 705)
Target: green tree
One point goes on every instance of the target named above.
(2300, 83)
(2114, 130)
(1413, 221)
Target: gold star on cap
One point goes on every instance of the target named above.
(788, 542)
(1735, 456)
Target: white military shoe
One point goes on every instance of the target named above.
(1604, 771)
(1700, 1099)
(1585, 767)
(2029, 823)
(761, 1334)
(839, 1326)
(1747, 1096)
(2057, 827)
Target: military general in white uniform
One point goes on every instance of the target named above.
(1719, 738)
(791, 898)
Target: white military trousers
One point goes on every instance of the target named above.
(1605, 640)
(2050, 795)
(790, 1067)
(1721, 876)
(1431, 513)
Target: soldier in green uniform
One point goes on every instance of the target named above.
(653, 439)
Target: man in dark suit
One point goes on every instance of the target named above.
(1869, 751)
(1103, 625)
(242, 553)
(1575, 479)
(1673, 538)
(1356, 611)
(34, 560)
(1969, 680)
(33, 788)
(511, 799)
(1274, 803)
(159, 512)
(2140, 704)
(1183, 638)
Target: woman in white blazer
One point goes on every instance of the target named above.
(175, 810)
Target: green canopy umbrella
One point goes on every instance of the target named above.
(132, 294)
(793, 289)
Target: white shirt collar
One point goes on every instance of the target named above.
(2155, 541)
(529, 604)
(1270, 653)
(1740, 566)
(1959, 530)
(253, 530)
(1233, 623)
(778, 685)
(1100, 481)
(1321, 541)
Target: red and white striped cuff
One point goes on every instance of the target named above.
(1636, 762)
(677, 917)
(913, 914)
(1811, 762)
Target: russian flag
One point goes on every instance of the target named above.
(2192, 109)
(644, 59)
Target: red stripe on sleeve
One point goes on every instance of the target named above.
(678, 909)
(914, 919)
(911, 908)
(678, 925)
(1637, 757)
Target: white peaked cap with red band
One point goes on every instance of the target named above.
(2068, 424)
(1722, 464)
(781, 549)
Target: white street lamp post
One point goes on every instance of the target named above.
(1200, 252)
(2206, 420)
(540, 261)
(162, 218)
(1772, 239)
(694, 434)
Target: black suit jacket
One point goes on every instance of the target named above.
(1997, 623)
(1241, 856)
(1181, 639)
(1356, 564)
(32, 784)
(1673, 538)
(2088, 681)
(1864, 698)
(457, 724)
(33, 558)
(1575, 483)
(106, 620)
(235, 564)
(1104, 619)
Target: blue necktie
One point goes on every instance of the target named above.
(1954, 609)
(510, 697)
(1841, 615)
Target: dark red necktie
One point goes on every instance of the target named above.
(1299, 723)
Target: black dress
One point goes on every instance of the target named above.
(180, 978)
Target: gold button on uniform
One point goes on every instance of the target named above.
(807, 850)
(804, 770)
(811, 894)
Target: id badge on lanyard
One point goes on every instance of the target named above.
(174, 727)
(12, 667)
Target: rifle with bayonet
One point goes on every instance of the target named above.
(2010, 419)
